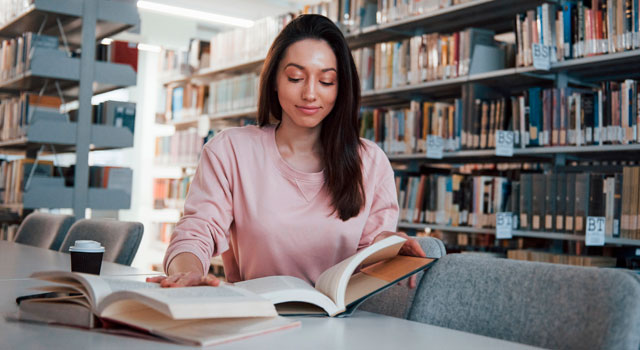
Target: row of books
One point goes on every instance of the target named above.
(113, 113)
(565, 259)
(185, 101)
(8, 231)
(14, 176)
(245, 44)
(422, 58)
(183, 147)
(118, 51)
(578, 29)
(16, 53)
(163, 231)
(174, 62)
(16, 113)
(609, 114)
(233, 94)
(362, 13)
(556, 202)
(170, 193)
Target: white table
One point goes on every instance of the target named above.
(362, 331)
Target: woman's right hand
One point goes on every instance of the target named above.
(185, 279)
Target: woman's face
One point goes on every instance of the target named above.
(307, 82)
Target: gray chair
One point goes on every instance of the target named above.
(120, 238)
(396, 300)
(546, 305)
(44, 230)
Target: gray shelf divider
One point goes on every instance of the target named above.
(106, 136)
(83, 21)
(113, 17)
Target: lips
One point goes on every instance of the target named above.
(309, 110)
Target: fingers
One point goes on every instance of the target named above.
(412, 281)
(156, 279)
(412, 248)
(185, 279)
(210, 280)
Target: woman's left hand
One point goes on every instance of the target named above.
(411, 248)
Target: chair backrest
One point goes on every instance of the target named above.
(120, 238)
(546, 305)
(396, 300)
(44, 230)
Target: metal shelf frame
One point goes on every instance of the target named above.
(517, 233)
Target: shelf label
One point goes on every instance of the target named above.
(541, 57)
(504, 143)
(595, 231)
(504, 224)
(435, 146)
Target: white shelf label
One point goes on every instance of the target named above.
(595, 231)
(504, 143)
(541, 57)
(504, 224)
(435, 146)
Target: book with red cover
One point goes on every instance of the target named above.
(125, 52)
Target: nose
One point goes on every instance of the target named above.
(309, 91)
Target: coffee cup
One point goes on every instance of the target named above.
(86, 256)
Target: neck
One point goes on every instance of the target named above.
(292, 139)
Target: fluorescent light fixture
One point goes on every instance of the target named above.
(106, 41)
(149, 47)
(195, 14)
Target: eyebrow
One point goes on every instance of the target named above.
(302, 68)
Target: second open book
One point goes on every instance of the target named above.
(341, 288)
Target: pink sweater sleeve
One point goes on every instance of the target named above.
(384, 207)
(203, 230)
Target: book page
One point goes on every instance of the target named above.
(201, 332)
(333, 282)
(96, 288)
(196, 302)
(288, 289)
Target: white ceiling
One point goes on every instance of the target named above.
(246, 9)
(174, 32)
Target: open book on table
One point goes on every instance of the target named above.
(340, 289)
(192, 315)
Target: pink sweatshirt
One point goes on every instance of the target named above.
(268, 218)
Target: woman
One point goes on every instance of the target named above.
(294, 198)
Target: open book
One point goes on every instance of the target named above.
(192, 315)
(341, 288)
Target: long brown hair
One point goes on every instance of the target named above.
(339, 136)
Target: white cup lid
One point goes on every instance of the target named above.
(87, 246)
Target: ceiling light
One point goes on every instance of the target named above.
(195, 14)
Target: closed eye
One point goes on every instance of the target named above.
(326, 84)
(294, 80)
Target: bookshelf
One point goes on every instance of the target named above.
(81, 24)
(499, 16)
(491, 14)
(585, 71)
